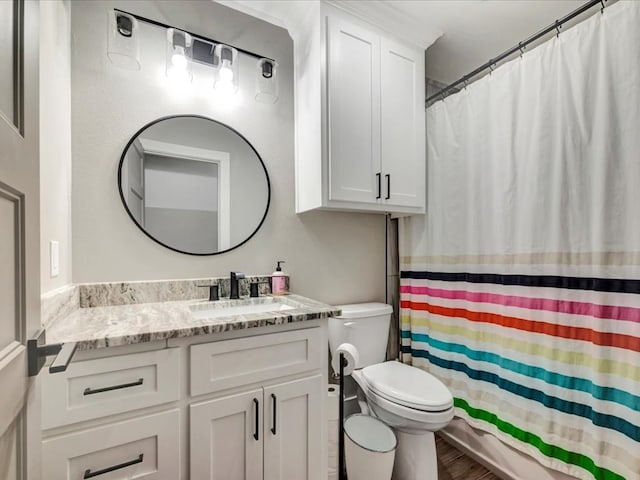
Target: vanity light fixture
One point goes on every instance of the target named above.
(183, 49)
(267, 81)
(123, 42)
(227, 72)
(179, 45)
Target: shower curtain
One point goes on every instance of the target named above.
(520, 288)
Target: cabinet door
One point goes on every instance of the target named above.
(353, 73)
(225, 442)
(403, 127)
(292, 442)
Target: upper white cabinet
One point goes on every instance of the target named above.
(368, 153)
(353, 85)
(402, 130)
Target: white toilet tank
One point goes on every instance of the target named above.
(366, 327)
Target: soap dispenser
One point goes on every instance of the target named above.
(278, 281)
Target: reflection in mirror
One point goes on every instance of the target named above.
(194, 185)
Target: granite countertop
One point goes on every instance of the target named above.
(110, 326)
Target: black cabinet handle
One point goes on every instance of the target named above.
(257, 404)
(90, 391)
(388, 187)
(274, 400)
(379, 180)
(89, 474)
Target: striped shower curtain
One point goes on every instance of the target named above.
(520, 288)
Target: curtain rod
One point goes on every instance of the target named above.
(194, 35)
(491, 64)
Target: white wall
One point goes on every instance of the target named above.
(55, 140)
(334, 257)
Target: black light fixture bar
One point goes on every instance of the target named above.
(491, 64)
(194, 35)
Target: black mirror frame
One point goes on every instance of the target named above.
(122, 198)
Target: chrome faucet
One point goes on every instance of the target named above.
(235, 276)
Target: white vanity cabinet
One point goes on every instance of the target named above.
(113, 417)
(292, 436)
(238, 405)
(270, 433)
(271, 428)
(371, 154)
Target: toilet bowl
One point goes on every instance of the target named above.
(415, 404)
(411, 401)
(405, 397)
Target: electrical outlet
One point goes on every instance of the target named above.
(54, 257)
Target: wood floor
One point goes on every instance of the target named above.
(454, 465)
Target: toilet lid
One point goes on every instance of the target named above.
(408, 386)
(370, 433)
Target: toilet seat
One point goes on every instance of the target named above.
(442, 417)
(407, 386)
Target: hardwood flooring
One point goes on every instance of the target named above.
(454, 465)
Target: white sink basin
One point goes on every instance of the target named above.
(231, 308)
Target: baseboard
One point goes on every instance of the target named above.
(501, 459)
(478, 457)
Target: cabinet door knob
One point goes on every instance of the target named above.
(379, 180)
(388, 186)
(274, 402)
(256, 434)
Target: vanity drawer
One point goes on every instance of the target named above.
(106, 386)
(233, 363)
(146, 448)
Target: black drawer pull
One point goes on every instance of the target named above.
(274, 401)
(388, 187)
(255, 432)
(90, 391)
(379, 180)
(89, 474)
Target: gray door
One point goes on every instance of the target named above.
(19, 238)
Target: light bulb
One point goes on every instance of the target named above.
(178, 75)
(226, 73)
(178, 59)
(225, 87)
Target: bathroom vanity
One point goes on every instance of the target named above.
(218, 394)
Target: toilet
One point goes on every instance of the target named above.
(414, 403)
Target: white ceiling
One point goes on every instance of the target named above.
(470, 32)
(474, 31)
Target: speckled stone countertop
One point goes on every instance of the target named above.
(110, 326)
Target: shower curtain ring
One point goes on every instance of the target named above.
(465, 83)
(492, 67)
(522, 48)
(558, 27)
(602, 8)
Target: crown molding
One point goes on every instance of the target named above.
(384, 15)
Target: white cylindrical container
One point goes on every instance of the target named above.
(370, 448)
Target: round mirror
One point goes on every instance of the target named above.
(194, 185)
